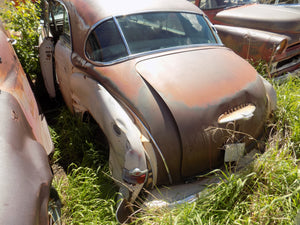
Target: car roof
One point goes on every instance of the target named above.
(84, 14)
(93, 11)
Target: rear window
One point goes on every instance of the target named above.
(105, 43)
(139, 33)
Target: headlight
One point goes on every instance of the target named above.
(281, 47)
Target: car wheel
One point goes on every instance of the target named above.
(54, 208)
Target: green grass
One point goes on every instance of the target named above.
(78, 142)
(87, 197)
(288, 114)
(87, 192)
(265, 192)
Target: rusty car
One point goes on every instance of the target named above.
(261, 33)
(155, 76)
(25, 144)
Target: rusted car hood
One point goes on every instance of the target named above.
(279, 19)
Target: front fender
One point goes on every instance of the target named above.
(252, 44)
(24, 169)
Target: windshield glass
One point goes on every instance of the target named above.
(147, 32)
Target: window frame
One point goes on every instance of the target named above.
(66, 37)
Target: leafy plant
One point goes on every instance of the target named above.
(22, 19)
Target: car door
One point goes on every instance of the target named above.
(60, 30)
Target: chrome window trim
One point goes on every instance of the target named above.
(213, 29)
(122, 35)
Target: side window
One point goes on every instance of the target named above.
(213, 4)
(66, 30)
(59, 21)
(105, 44)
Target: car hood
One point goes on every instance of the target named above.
(279, 19)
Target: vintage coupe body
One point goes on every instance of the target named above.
(258, 32)
(25, 145)
(155, 76)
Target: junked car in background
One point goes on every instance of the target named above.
(280, 2)
(167, 94)
(25, 145)
(262, 33)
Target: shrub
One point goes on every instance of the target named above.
(22, 20)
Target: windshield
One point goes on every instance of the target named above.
(139, 33)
